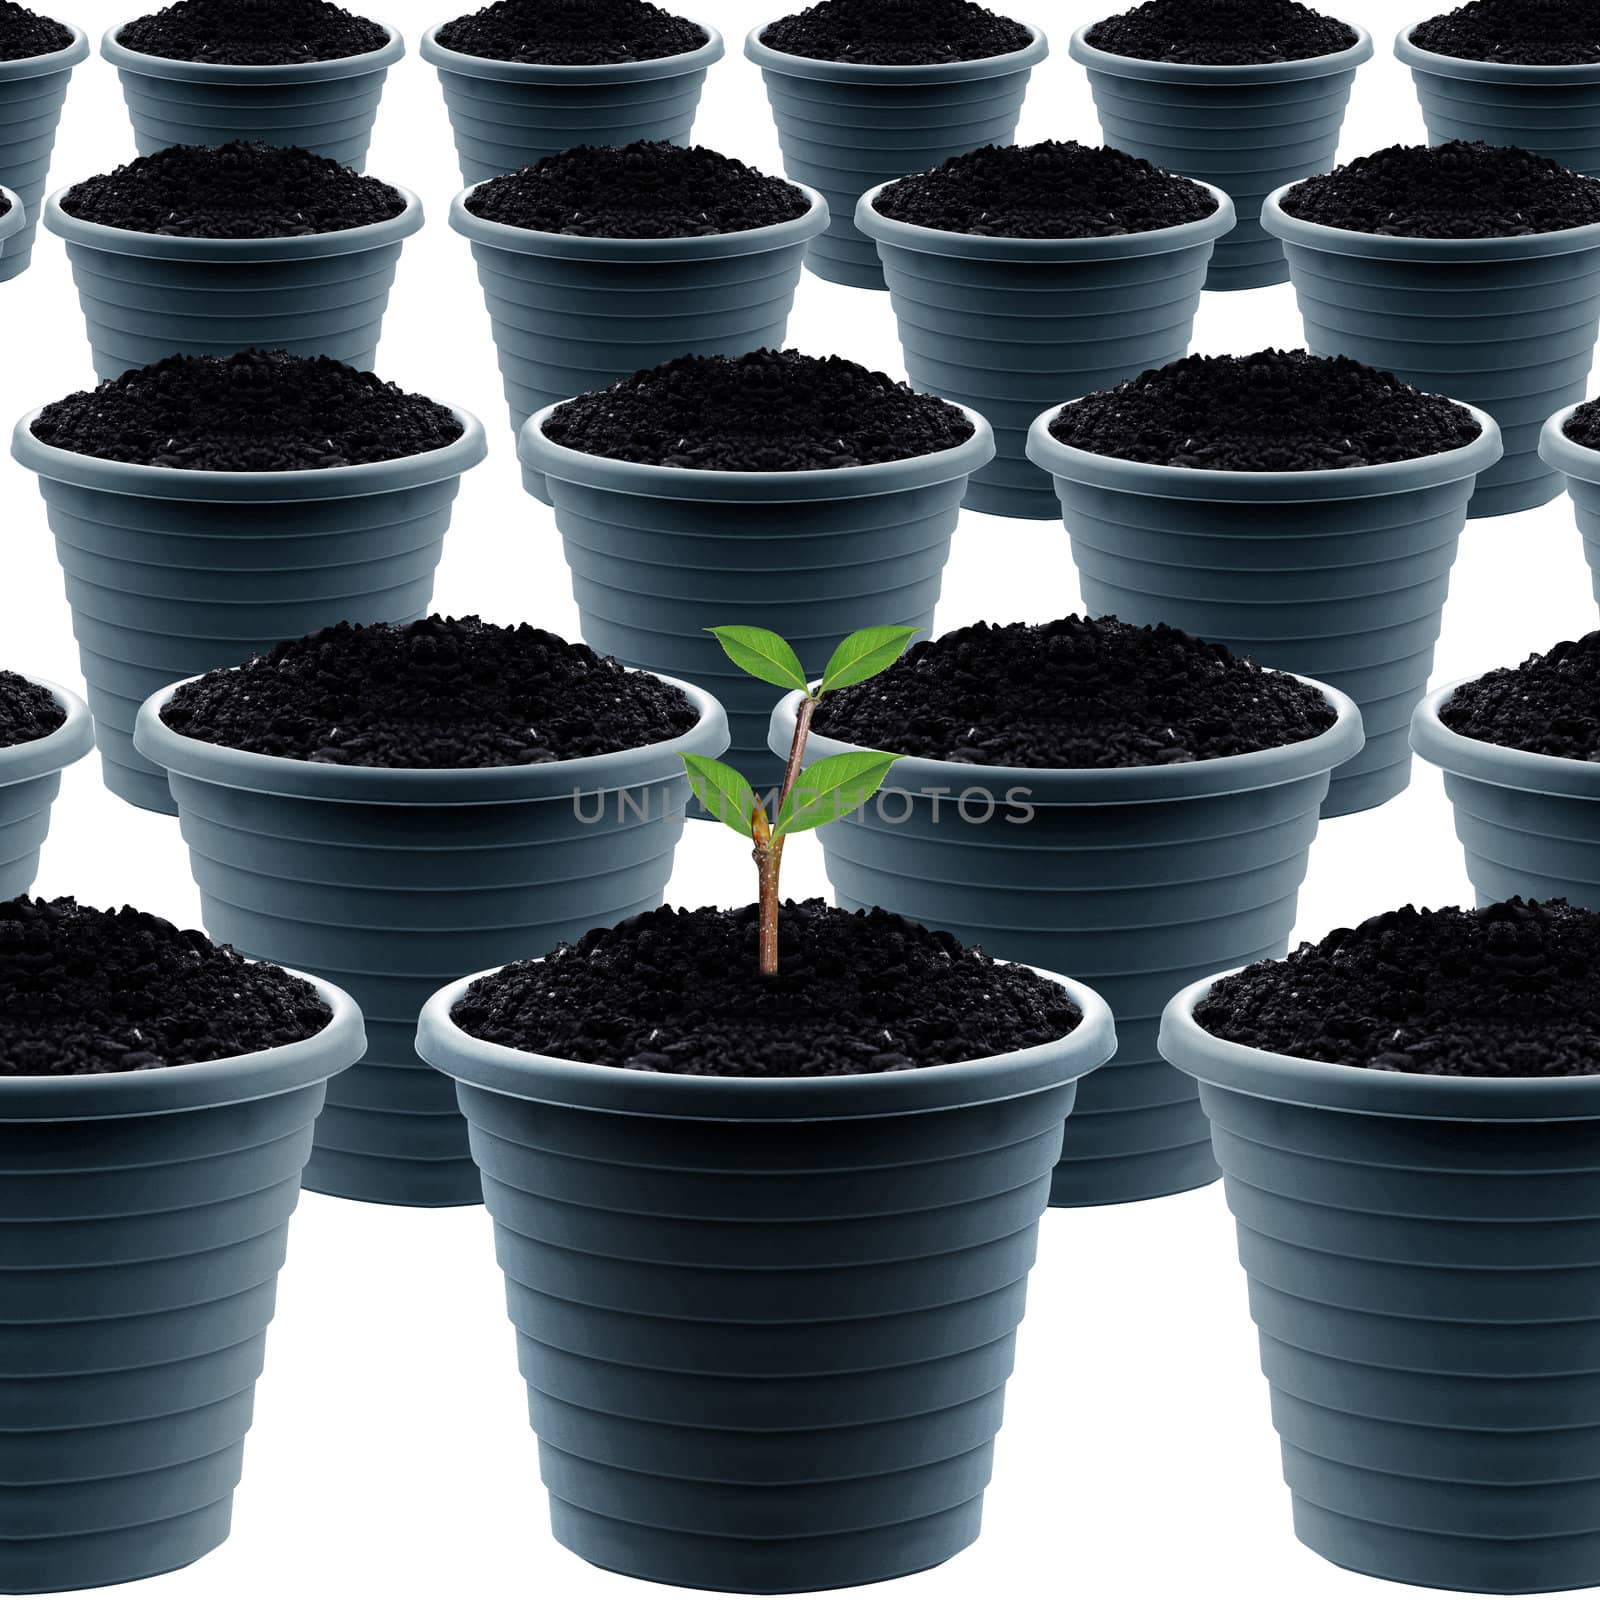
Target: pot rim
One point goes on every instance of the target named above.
(1098, 786)
(1441, 252)
(1044, 252)
(301, 484)
(686, 247)
(1219, 76)
(425, 786)
(1324, 1086)
(1557, 449)
(1501, 765)
(882, 73)
(577, 75)
(292, 247)
(15, 218)
(239, 75)
(557, 461)
(39, 758)
(549, 1080)
(1213, 484)
(201, 1085)
(1507, 72)
(62, 60)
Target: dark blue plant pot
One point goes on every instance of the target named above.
(1580, 470)
(30, 776)
(1424, 1268)
(1338, 575)
(390, 882)
(143, 1219)
(1554, 110)
(171, 573)
(1508, 325)
(660, 554)
(570, 314)
(1138, 878)
(1009, 326)
(1245, 129)
(146, 296)
(325, 106)
(506, 115)
(765, 1323)
(845, 129)
(32, 92)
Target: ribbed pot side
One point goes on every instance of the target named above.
(1579, 467)
(32, 93)
(30, 778)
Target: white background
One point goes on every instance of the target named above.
(391, 1454)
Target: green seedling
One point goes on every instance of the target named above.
(810, 796)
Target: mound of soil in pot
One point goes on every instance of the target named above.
(87, 991)
(440, 693)
(27, 711)
(896, 33)
(1222, 33)
(1077, 693)
(1535, 33)
(768, 411)
(5, 205)
(253, 33)
(258, 411)
(24, 33)
(1583, 426)
(682, 992)
(1506, 991)
(572, 33)
(1448, 191)
(1275, 411)
(233, 191)
(648, 190)
(1550, 705)
(1055, 190)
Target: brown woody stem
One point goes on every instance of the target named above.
(769, 851)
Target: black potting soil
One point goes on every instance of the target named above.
(259, 411)
(768, 411)
(1583, 426)
(24, 33)
(1538, 33)
(5, 205)
(1506, 991)
(1056, 190)
(1275, 411)
(681, 992)
(1550, 705)
(1222, 33)
(233, 191)
(440, 693)
(27, 711)
(253, 33)
(572, 33)
(87, 991)
(896, 33)
(1448, 191)
(638, 191)
(1076, 693)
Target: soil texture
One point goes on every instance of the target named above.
(896, 33)
(25, 34)
(28, 711)
(1529, 33)
(1222, 33)
(572, 33)
(253, 33)
(1550, 705)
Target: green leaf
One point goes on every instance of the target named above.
(723, 792)
(832, 788)
(864, 655)
(764, 655)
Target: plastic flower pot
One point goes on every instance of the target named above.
(1135, 878)
(30, 777)
(1580, 467)
(325, 106)
(846, 128)
(1340, 575)
(145, 1218)
(32, 92)
(1425, 1277)
(659, 554)
(391, 881)
(1008, 326)
(1508, 325)
(570, 314)
(1552, 109)
(172, 572)
(508, 114)
(766, 1324)
(13, 221)
(1247, 129)
(146, 296)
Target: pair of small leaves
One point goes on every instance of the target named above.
(827, 790)
(770, 657)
